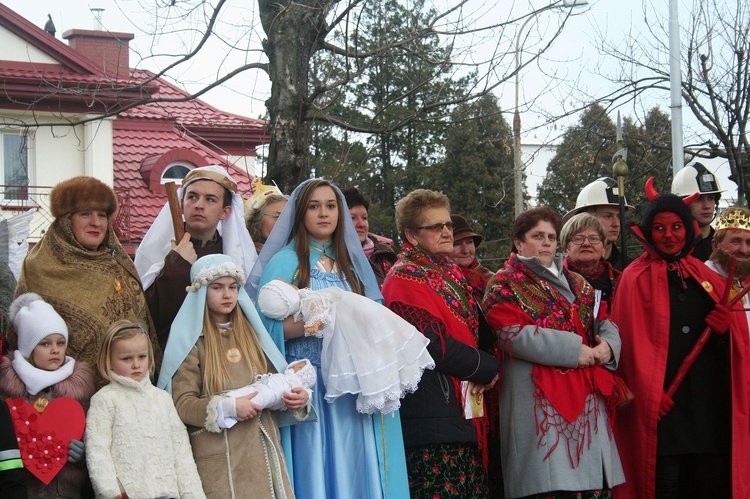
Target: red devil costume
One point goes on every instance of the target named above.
(664, 300)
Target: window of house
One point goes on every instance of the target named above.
(14, 154)
(175, 172)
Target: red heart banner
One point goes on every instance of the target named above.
(43, 438)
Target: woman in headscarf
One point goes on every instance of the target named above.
(582, 242)
(445, 440)
(557, 395)
(346, 453)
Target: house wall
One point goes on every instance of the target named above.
(58, 152)
(15, 48)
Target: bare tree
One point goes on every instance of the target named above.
(715, 78)
(315, 51)
(446, 40)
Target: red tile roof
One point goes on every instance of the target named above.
(188, 112)
(135, 146)
(147, 137)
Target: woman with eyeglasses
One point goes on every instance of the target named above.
(444, 422)
(261, 216)
(582, 240)
(557, 394)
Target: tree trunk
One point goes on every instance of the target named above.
(294, 30)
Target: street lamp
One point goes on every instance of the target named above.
(517, 164)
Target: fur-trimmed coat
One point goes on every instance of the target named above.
(244, 461)
(135, 440)
(78, 386)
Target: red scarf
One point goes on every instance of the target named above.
(440, 289)
(516, 296)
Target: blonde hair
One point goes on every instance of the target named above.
(121, 330)
(215, 375)
(579, 223)
(410, 209)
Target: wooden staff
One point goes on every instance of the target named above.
(174, 209)
(690, 358)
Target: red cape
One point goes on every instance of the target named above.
(639, 308)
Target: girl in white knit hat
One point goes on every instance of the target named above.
(31, 378)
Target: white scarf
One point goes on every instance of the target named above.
(37, 379)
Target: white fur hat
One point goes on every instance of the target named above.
(34, 319)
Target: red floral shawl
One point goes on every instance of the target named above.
(517, 297)
(439, 288)
(477, 276)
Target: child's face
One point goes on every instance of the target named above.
(49, 354)
(129, 357)
(221, 298)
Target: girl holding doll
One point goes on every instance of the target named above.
(346, 453)
(136, 444)
(38, 373)
(218, 344)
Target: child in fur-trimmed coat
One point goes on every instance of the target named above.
(39, 372)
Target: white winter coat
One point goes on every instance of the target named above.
(134, 436)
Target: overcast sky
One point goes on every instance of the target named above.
(573, 53)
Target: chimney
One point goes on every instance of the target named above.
(108, 50)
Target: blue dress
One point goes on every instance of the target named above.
(342, 455)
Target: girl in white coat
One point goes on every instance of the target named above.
(136, 443)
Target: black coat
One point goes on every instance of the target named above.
(432, 414)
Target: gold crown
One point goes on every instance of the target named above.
(734, 218)
(260, 193)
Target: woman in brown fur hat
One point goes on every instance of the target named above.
(80, 268)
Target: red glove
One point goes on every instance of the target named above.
(719, 318)
(665, 406)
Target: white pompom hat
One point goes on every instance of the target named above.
(34, 319)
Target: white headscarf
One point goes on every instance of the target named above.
(236, 241)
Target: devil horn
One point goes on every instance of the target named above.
(651, 193)
(691, 198)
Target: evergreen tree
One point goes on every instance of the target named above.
(586, 153)
(477, 175)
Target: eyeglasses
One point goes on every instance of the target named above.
(578, 240)
(437, 227)
(275, 216)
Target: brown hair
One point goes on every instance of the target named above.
(529, 219)
(355, 198)
(301, 246)
(121, 330)
(410, 208)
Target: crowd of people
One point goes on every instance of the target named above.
(279, 349)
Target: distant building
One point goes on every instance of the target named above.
(126, 141)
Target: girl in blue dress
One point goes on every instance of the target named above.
(345, 454)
